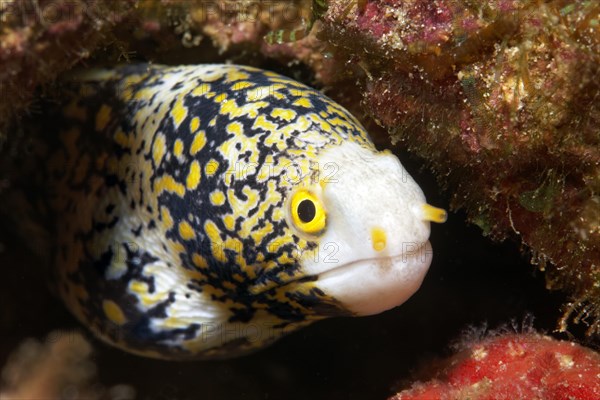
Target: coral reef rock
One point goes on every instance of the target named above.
(501, 98)
(62, 367)
(41, 38)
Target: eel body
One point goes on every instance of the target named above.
(205, 211)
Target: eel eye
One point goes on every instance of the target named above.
(308, 214)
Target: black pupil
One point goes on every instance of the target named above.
(306, 211)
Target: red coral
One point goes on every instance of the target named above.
(525, 366)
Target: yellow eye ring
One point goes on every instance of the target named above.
(308, 214)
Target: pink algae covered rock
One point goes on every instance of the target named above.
(500, 97)
(514, 366)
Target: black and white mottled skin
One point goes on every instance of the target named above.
(204, 211)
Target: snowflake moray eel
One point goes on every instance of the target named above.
(205, 211)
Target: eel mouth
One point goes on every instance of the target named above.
(366, 286)
(370, 286)
(383, 262)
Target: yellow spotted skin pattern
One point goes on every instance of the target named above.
(169, 187)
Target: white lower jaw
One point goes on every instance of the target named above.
(369, 287)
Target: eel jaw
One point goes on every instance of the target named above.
(371, 286)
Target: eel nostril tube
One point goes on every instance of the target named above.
(378, 239)
(433, 214)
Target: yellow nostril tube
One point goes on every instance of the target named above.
(378, 238)
(434, 214)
